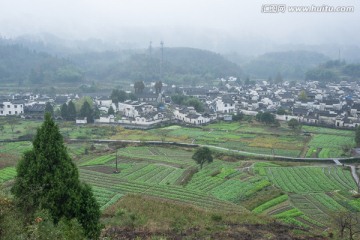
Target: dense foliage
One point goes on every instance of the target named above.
(294, 123)
(266, 117)
(120, 96)
(182, 65)
(292, 64)
(357, 136)
(19, 65)
(334, 70)
(48, 179)
(202, 155)
(188, 101)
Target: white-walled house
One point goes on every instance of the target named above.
(189, 115)
(106, 102)
(135, 109)
(11, 108)
(224, 105)
(108, 119)
(81, 121)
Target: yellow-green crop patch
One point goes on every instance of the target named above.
(7, 173)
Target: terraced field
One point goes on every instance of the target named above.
(99, 160)
(172, 156)
(16, 148)
(7, 174)
(311, 179)
(329, 145)
(176, 193)
(317, 205)
(306, 197)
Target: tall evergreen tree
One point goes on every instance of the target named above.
(87, 111)
(48, 179)
(111, 111)
(71, 111)
(64, 111)
(158, 87)
(357, 136)
(96, 112)
(49, 108)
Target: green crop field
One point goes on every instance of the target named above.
(294, 193)
(311, 179)
(119, 186)
(7, 174)
(269, 204)
(171, 156)
(330, 146)
(255, 138)
(16, 148)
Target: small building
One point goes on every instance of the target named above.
(11, 108)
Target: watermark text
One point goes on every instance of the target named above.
(283, 8)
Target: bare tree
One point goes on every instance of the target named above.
(12, 123)
(347, 222)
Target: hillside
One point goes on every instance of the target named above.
(240, 195)
(21, 65)
(334, 71)
(181, 65)
(291, 64)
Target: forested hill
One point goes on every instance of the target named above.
(334, 71)
(291, 64)
(21, 65)
(180, 65)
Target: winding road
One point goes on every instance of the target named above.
(328, 160)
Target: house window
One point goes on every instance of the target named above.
(9, 112)
(225, 105)
(15, 112)
(15, 106)
(8, 106)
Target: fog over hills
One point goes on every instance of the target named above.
(229, 26)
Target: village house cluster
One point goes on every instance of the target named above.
(336, 104)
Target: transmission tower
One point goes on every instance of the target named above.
(162, 59)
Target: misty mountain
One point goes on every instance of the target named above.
(291, 64)
(180, 65)
(21, 65)
(58, 46)
(237, 48)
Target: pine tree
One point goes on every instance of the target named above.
(111, 111)
(86, 111)
(64, 111)
(48, 179)
(49, 108)
(357, 136)
(71, 111)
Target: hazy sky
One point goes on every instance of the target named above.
(176, 19)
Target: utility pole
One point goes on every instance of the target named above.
(150, 48)
(116, 161)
